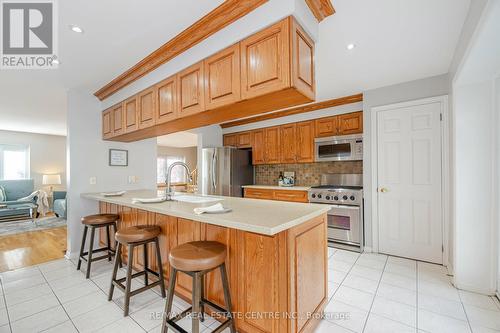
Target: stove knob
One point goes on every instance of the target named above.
(335, 198)
(319, 196)
(327, 197)
(313, 195)
(352, 198)
(344, 197)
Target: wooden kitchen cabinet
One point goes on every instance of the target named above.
(279, 195)
(231, 140)
(288, 143)
(131, 114)
(258, 147)
(272, 144)
(245, 140)
(191, 90)
(265, 61)
(166, 109)
(326, 126)
(350, 123)
(222, 77)
(146, 107)
(305, 142)
(259, 193)
(107, 124)
(302, 49)
(118, 119)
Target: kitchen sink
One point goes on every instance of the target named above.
(194, 198)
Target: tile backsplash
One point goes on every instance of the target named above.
(306, 174)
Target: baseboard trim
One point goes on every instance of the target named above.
(367, 249)
(70, 255)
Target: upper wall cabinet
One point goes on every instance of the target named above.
(191, 90)
(349, 123)
(131, 115)
(107, 125)
(118, 119)
(265, 61)
(288, 143)
(222, 78)
(167, 100)
(146, 104)
(268, 71)
(305, 142)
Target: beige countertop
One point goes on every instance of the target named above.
(275, 187)
(265, 217)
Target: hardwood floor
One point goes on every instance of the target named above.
(31, 248)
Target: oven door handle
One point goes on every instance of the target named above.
(345, 207)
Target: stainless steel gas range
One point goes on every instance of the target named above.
(344, 194)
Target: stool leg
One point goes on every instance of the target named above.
(227, 296)
(160, 267)
(170, 298)
(128, 279)
(195, 312)
(82, 248)
(116, 244)
(91, 247)
(108, 239)
(202, 297)
(145, 256)
(115, 270)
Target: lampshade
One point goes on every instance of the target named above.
(51, 180)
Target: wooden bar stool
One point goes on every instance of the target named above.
(95, 222)
(133, 237)
(197, 259)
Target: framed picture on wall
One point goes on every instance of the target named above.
(118, 157)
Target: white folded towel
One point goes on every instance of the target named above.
(148, 200)
(210, 209)
(113, 194)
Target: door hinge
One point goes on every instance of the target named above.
(441, 116)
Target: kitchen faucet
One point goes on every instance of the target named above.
(168, 193)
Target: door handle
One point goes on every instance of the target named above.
(383, 190)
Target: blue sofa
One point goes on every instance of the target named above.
(59, 203)
(14, 190)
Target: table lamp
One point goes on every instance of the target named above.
(51, 180)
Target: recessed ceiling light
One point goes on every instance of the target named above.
(76, 28)
(350, 46)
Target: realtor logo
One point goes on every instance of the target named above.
(28, 34)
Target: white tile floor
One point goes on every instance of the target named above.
(368, 293)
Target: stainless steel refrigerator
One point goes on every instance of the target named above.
(224, 170)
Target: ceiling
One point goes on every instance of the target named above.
(396, 41)
(178, 140)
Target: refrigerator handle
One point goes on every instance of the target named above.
(214, 185)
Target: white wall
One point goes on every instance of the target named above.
(429, 87)
(474, 151)
(497, 105)
(88, 157)
(47, 154)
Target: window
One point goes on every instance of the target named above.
(178, 173)
(14, 162)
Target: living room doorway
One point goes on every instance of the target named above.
(32, 199)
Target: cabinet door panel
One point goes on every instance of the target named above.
(147, 108)
(288, 143)
(131, 115)
(305, 142)
(258, 147)
(191, 90)
(302, 61)
(118, 120)
(351, 123)
(291, 195)
(245, 140)
(107, 125)
(272, 142)
(166, 100)
(257, 193)
(326, 126)
(187, 231)
(222, 71)
(231, 140)
(265, 59)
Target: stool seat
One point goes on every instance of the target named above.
(139, 233)
(198, 256)
(100, 219)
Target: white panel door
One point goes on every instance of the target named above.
(409, 182)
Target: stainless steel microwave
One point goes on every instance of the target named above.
(339, 148)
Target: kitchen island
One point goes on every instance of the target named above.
(277, 254)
